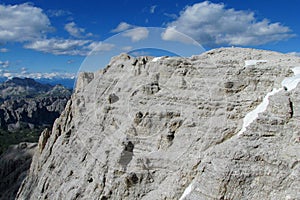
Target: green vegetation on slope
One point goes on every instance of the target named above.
(25, 135)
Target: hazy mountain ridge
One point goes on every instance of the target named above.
(169, 128)
(27, 107)
(22, 88)
(17, 88)
(67, 82)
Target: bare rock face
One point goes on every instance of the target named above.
(14, 165)
(176, 128)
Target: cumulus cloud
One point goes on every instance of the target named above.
(214, 24)
(123, 26)
(59, 46)
(69, 47)
(137, 34)
(29, 25)
(22, 22)
(172, 34)
(76, 31)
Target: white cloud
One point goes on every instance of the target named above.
(152, 8)
(70, 61)
(137, 34)
(170, 15)
(52, 75)
(7, 75)
(140, 53)
(22, 22)
(69, 47)
(172, 34)
(3, 50)
(76, 31)
(123, 26)
(127, 48)
(58, 13)
(213, 24)
(23, 70)
(100, 46)
(59, 46)
(38, 75)
(4, 64)
(29, 25)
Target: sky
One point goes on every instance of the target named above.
(53, 38)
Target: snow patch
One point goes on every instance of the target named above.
(187, 191)
(290, 83)
(254, 62)
(251, 116)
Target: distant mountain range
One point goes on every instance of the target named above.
(27, 107)
(67, 82)
(16, 88)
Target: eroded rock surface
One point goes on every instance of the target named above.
(14, 165)
(168, 129)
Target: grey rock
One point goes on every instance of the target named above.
(14, 165)
(43, 139)
(173, 132)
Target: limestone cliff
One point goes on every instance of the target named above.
(221, 125)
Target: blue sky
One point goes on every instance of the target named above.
(54, 37)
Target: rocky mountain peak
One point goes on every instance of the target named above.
(26, 82)
(176, 128)
(19, 88)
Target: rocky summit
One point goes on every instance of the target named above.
(220, 125)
